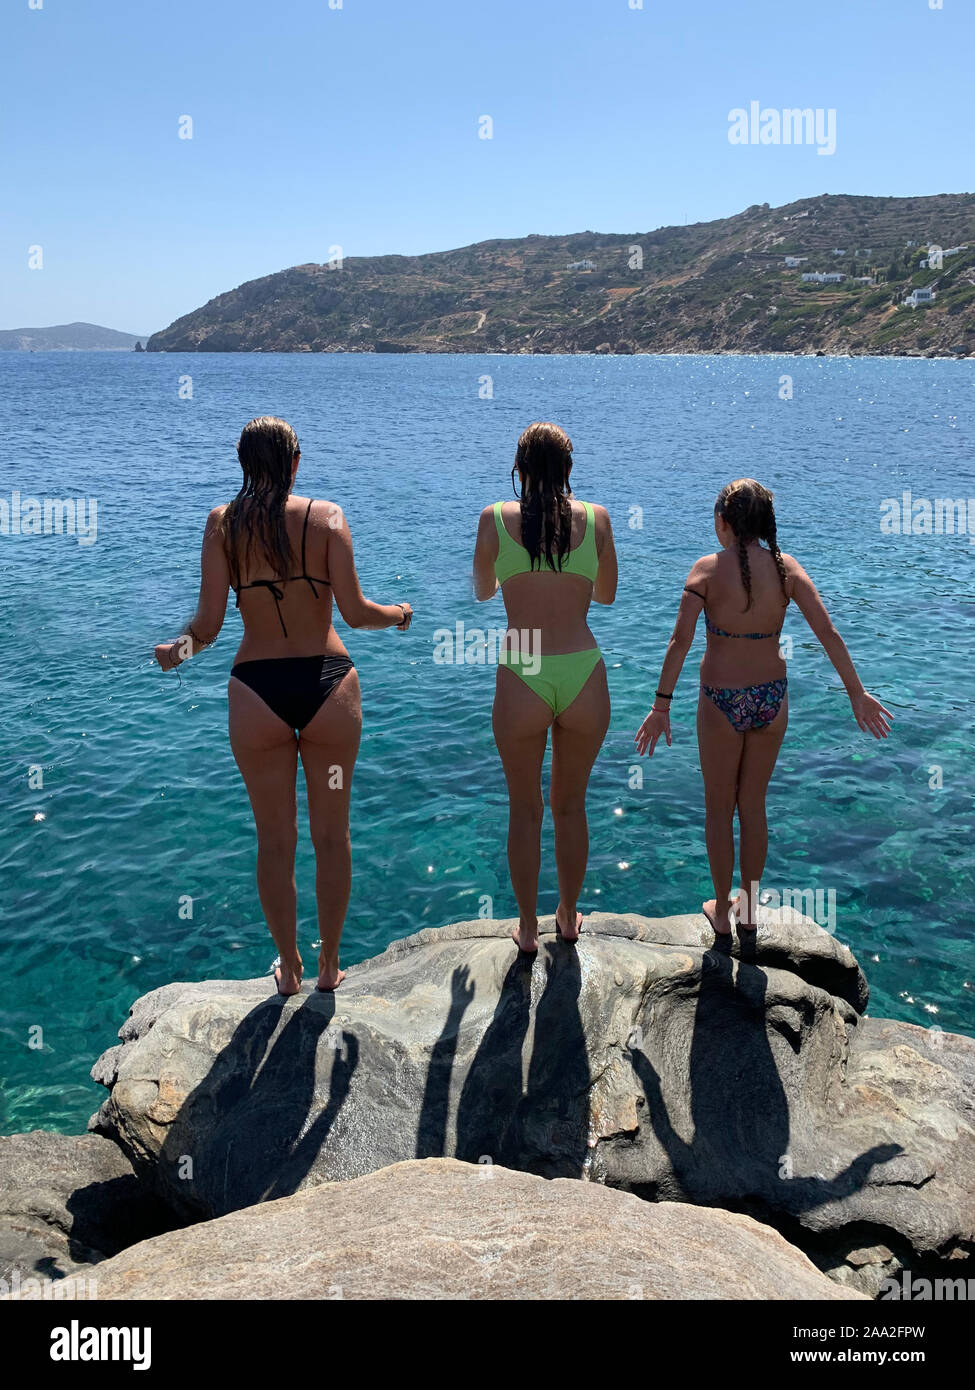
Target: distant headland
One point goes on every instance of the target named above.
(70, 337)
(832, 274)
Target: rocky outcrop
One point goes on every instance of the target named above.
(646, 1058)
(439, 1229)
(67, 1202)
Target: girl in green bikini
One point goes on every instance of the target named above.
(550, 555)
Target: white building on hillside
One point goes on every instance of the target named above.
(916, 297)
(823, 277)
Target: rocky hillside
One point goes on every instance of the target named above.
(718, 286)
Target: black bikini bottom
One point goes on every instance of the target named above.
(294, 687)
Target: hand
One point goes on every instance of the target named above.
(656, 723)
(405, 624)
(166, 654)
(871, 715)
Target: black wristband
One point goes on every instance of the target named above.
(661, 696)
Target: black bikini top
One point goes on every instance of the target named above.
(273, 586)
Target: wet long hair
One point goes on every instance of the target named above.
(254, 520)
(544, 459)
(748, 509)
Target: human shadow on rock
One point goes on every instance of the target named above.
(538, 1124)
(431, 1134)
(739, 1112)
(248, 1131)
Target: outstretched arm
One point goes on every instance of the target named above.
(657, 721)
(211, 606)
(356, 609)
(868, 712)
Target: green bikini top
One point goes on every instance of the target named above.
(513, 558)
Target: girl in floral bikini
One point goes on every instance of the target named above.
(743, 707)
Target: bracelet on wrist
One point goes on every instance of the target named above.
(661, 696)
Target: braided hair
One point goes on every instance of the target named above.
(544, 460)
(255, 520)
(748, 509)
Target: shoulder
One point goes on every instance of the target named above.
(600, 516)
(323, 514)
(215, 518)
(487, 531)
(794, 573)
(702, 569)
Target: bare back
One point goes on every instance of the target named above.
(552, 603)
(292, 616)
(743, 658)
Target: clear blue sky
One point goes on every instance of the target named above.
(358, 127)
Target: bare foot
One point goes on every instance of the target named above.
(329, 978)
(526, 939)
(721, 922)
(287, 979)
(568, 933)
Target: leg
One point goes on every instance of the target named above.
(757, 761)
(521, 721)
(720, 747)
(329, 745)
(577, 736)
(267, 754)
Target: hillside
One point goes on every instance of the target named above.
(77, 337)
(710, 287)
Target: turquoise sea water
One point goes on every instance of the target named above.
(141, 803)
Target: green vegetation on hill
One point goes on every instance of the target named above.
(712, 287)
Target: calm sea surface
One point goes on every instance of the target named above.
(142, 808)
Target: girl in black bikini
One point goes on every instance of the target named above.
(743, 706)
(293, 692)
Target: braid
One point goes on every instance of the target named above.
(748, 509)
(771, 539)
(746, 575)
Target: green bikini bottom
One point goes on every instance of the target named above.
(558, 679)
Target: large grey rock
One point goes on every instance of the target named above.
(439, 1229)
(645, 1058)
(66, 1202)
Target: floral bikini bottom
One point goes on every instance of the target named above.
(752, 706)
